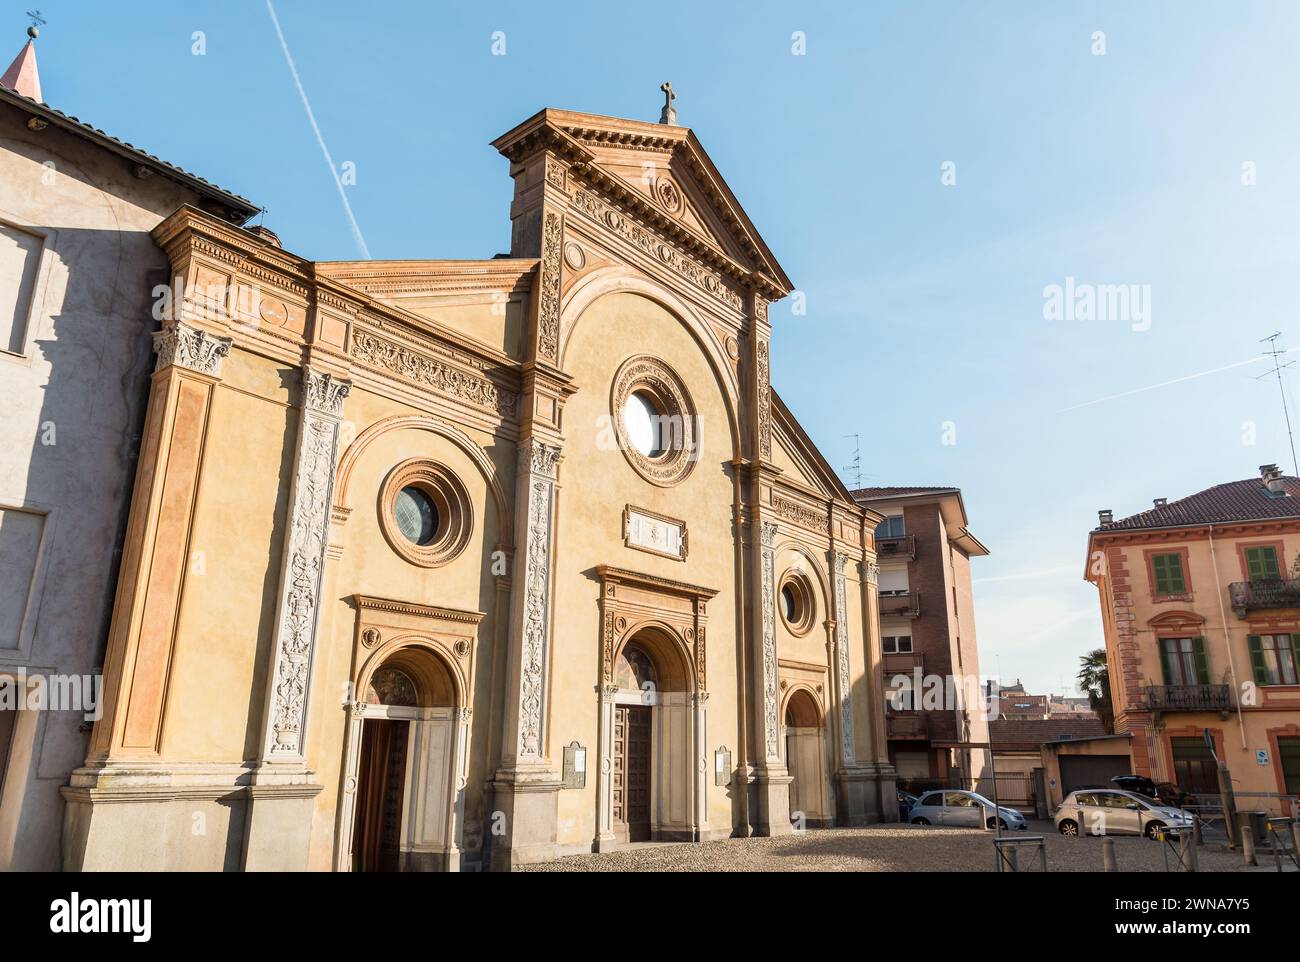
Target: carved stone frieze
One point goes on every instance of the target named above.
(398, 359)
(800, 513)
(656, 245)
(764, 403)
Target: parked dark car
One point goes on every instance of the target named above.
(905, 802)
(1165, 792)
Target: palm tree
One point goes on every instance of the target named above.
(1094, 680)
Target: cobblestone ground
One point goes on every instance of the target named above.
(885, 848)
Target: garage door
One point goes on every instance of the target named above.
(912, 764)
(1082, 770)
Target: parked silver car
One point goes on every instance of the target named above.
(964, 809)
(1113, 812)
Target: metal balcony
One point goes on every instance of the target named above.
(903, 662)
(895, 549)
(1189, 697)
(1254, 595)
(907, 725)
(906, 605)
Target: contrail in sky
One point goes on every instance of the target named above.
(1177, 380)
(356, 228)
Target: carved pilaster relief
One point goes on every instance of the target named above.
(839, 560)
(190, 347)
(548, 311)
(537, 461)
(770, 694)
(303, 570)
(764, 403)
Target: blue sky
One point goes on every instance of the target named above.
(925, 301)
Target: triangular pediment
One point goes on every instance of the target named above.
(665, 170)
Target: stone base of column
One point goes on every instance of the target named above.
(772, 793)
(277, 832)
(865, 795)
(526, 811)
(156, 817)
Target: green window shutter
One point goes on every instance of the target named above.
(1257, 659)
(1261, 564)
(1168, 569)
(1164, 660)
(1202, 663)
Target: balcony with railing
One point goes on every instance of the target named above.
(903, 662)
(1189, 697)
(906, 725)
(905, 604)
(1271, 593)
(902, 547)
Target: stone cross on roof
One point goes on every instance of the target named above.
(668, 115)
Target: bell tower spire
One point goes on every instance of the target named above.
(22, 75)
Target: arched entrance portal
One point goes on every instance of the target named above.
(805, 757)
(405, 742)
(649, 725)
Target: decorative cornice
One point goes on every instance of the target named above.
(393, 606)
(623, 576)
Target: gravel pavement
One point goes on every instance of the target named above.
(882, 848)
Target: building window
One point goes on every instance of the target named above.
(1167, 570)
(20, 255)
(896, 644)
(1194, 768)
(417, 515)
(797, 604)
(425, 512)
(1261, 563)
(892, 582)
(891, 528)
(1288, 757)
(1184, 661)
(645, 424)
(899, 695)
(1273, 659)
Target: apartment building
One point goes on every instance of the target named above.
(927, 627)
(1200, 602)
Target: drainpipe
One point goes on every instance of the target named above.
(1227, 640)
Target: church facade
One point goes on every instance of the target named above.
(445, 565)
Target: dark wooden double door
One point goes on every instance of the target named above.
(377, 830)
(631, 775)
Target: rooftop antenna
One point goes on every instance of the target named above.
(1274, 352)
(854, 468)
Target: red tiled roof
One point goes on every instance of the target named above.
(1030, 733)
(1247, 500)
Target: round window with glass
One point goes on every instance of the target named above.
(425, 512)
(417, 515)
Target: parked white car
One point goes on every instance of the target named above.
(964, 809)
(1112, 812)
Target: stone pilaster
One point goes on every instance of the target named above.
(527, 783)
(281, 792)
(843, 677)
(772, 779)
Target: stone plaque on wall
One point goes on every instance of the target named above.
(575, 766)
(722, 767)
(653, 532)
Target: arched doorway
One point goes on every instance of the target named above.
(648, 791)
(404, 749)
(805, 757)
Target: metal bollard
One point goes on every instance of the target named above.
(1108, 855)
(1187, 849)
(1196, 830)
(1247, 839)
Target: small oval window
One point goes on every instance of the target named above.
(417, 515)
